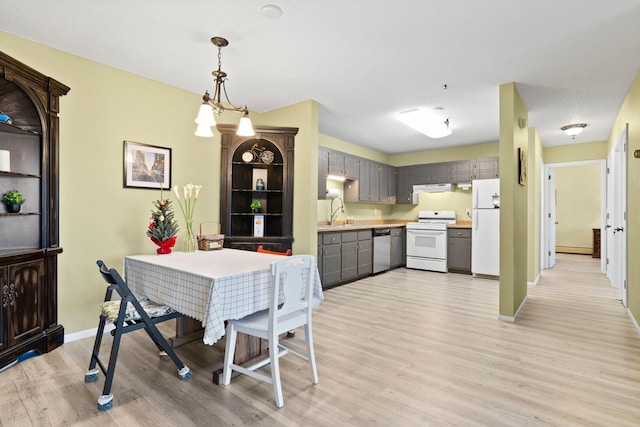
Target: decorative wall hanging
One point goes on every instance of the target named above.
(146, 166)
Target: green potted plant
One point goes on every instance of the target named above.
(256, 206)
(12, 199)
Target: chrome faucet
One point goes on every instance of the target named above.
(334, 214)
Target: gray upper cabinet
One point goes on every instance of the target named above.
(404, 184)
(351, 167)
(461, 172)
(373, 182)
(336, 163)
(486, 168)
(392, 176)
(323, 171)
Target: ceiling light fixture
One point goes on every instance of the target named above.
(434, 123)
(574, 129)
(212, 104)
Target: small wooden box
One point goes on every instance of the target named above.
(210, 242)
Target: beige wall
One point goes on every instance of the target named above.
(99, 219)
(630, 113)
(576, 152)
(513, 203)
(304, 116)
(578, 195)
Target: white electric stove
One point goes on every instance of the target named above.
(427, 240)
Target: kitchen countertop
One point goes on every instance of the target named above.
(347, 227)
(460, 225)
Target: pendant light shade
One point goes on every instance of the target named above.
(204, 131)
(245, 128)
(205, 115)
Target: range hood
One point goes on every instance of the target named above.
(431, 188)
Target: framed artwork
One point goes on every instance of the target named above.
(522, 166)
(146, 166)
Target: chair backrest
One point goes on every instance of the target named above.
(113, 278)
(292, 286)
(267, 251)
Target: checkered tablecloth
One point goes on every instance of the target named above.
(210, 286)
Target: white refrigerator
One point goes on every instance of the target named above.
(485, 236)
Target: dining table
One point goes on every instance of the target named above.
(209, 287)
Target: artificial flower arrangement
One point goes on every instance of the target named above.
(190, 194)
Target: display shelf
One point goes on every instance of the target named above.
(240, 179)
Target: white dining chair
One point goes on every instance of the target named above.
(289, 307)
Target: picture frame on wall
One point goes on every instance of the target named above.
(522, 166)
(146, 166)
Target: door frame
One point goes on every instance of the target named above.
(544, 244)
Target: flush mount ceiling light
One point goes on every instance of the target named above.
(212, 104)
(574, 129)
(432, 123)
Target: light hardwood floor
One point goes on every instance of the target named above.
(398, 349)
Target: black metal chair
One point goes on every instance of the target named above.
(127, 314)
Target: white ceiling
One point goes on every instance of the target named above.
(365, 60)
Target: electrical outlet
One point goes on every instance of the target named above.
(468, 212)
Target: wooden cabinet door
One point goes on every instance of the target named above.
(459, 251)
(364, 181)
(323, 171)
(374, 181)
(397, 247)
(23, 300)
(462, 171)
(392, 177)
(486, 168)
(336, 163)
(331, 265)
(351, 169)
(383, 183)
(404, 185)
(4, 289)
(365, 253)
(349, 260)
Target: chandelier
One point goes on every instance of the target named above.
(213, 104)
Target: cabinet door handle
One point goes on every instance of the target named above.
(9, 295)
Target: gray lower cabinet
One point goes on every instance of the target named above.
(349, 253)
(365, 253)
(459, 250)
(344, 256)
(397, 247)
(331, 259)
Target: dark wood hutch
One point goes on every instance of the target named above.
(29, 240)
(271, 161)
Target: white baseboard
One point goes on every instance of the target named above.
(535, 282)
(511, 319)
(633, 320)
(88, 333)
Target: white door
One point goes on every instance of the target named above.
(608, 229)
(618, 258)
(550, 227)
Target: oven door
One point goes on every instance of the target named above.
(427, 243)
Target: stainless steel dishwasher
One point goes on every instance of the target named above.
(381, 249)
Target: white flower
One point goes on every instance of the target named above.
(190, 193)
